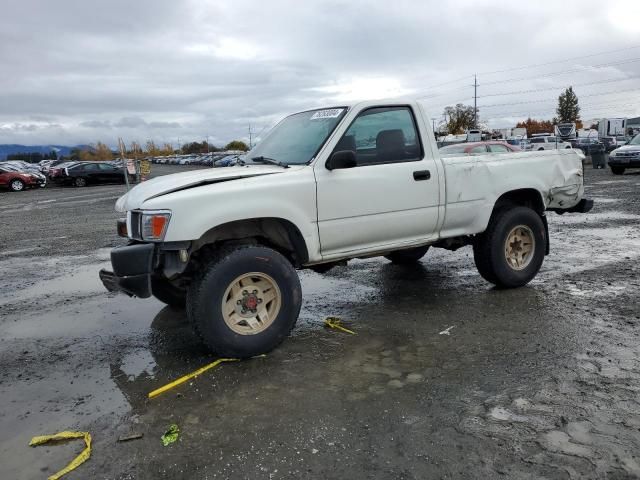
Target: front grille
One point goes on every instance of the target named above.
(135, 225)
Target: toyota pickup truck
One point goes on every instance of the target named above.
(323, 187)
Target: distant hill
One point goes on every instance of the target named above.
(62, 150)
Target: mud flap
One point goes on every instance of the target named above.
(547, 247)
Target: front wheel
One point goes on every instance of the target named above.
(16, 185)
(407, 257)
(246, 301)
(617, 170)
(80, 182)
(510, 252)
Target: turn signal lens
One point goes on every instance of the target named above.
(122, 227)
(154, 225)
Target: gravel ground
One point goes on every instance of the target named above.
(446, 377)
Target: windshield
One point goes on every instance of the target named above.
(635, 140)
(297, 138)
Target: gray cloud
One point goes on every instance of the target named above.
(184, 70)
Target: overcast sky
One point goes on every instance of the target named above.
(81, 71)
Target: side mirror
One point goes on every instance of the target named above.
(342, 159)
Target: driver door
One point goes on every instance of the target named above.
(391, 197)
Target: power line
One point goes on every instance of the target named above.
(560, 61)
(595, 106)
(538, 101)
(563, 72)
(554, 88)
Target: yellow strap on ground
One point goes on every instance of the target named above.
(76, 462)
(336, 323)
(188, 377)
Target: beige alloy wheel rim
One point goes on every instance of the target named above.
(519, 247)
(251, 303)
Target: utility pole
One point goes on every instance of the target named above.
(475, 101)
(207, 144)
(250, 137)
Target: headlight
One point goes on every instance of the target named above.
(612, 154)
(153, 225)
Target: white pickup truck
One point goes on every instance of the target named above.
(326, 186)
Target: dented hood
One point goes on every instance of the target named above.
(194, 178)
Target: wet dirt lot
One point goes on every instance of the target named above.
(446, 377)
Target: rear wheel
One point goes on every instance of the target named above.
(409, 256)
(246, 301)
(511, 251)
(167, 293)
(16, 185)
(617, 170)
(80, 182)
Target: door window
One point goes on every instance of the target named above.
(383, 135)
(106, 168)
(478, 149)
(498, 148)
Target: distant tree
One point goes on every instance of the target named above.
(53, 155)
(237, 145)
(135, 151)
(74, 154)
(152, 150)
(167, 149)
(536, 126)
(568, 109)
(459, 118)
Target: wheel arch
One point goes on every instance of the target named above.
(525, 197)
(278, 233)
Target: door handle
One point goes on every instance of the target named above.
(421, 175)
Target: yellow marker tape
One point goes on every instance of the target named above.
(336, 323)
(186, 378)
(76, 462)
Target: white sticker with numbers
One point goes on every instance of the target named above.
(330, 113)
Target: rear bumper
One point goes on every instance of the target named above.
(132, 269)
(583, 206)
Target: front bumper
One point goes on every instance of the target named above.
(132, 269)
(633, 162)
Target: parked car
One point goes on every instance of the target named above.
(627, 156)
(472, 148)
(16, 179)
(228, 161)
(23, 166)
(588, 145)
(82, 174)
(610, 143)
(547, 143)
(323, 187)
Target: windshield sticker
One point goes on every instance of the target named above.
(331, 113)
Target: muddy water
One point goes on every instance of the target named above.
(446, 377)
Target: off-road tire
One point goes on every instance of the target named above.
(617, 170)
(79, 182)
(205, 296)
(408, 256)
(16, 185)
(489, 247)
(167, 293)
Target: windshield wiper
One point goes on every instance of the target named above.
(270, 161)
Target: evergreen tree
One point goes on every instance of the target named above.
(568, 110)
